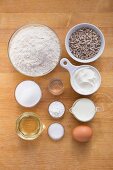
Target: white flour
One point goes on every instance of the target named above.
(34, 50)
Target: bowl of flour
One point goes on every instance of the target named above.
(34, 50)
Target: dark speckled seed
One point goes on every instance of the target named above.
(84, 43)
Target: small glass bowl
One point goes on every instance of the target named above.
(13, 36)
(29, 126)
(56, 87)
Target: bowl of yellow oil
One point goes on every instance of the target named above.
(29, 126)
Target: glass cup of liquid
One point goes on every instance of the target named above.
(29, 126)
(56, 87)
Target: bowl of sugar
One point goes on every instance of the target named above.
(28, 93)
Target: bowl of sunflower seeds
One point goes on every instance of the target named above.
(85, 43)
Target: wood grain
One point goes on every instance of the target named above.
(43, 153)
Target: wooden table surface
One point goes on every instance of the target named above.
(43, 153)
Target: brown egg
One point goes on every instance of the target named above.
(82, 133)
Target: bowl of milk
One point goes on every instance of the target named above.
(83, 109)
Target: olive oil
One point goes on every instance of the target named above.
(29, 126)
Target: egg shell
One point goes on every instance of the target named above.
(82, 133)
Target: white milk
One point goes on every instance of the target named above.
(83, 109)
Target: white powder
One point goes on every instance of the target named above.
(56, 131)
(34, 50)
(56, 109)
(28, 93)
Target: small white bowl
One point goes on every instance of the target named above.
(28, 93)
(87, 25)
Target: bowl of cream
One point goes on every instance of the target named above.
(84, 79)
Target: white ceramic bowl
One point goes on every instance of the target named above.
(76, 27)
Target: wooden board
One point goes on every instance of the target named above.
(43, 153)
